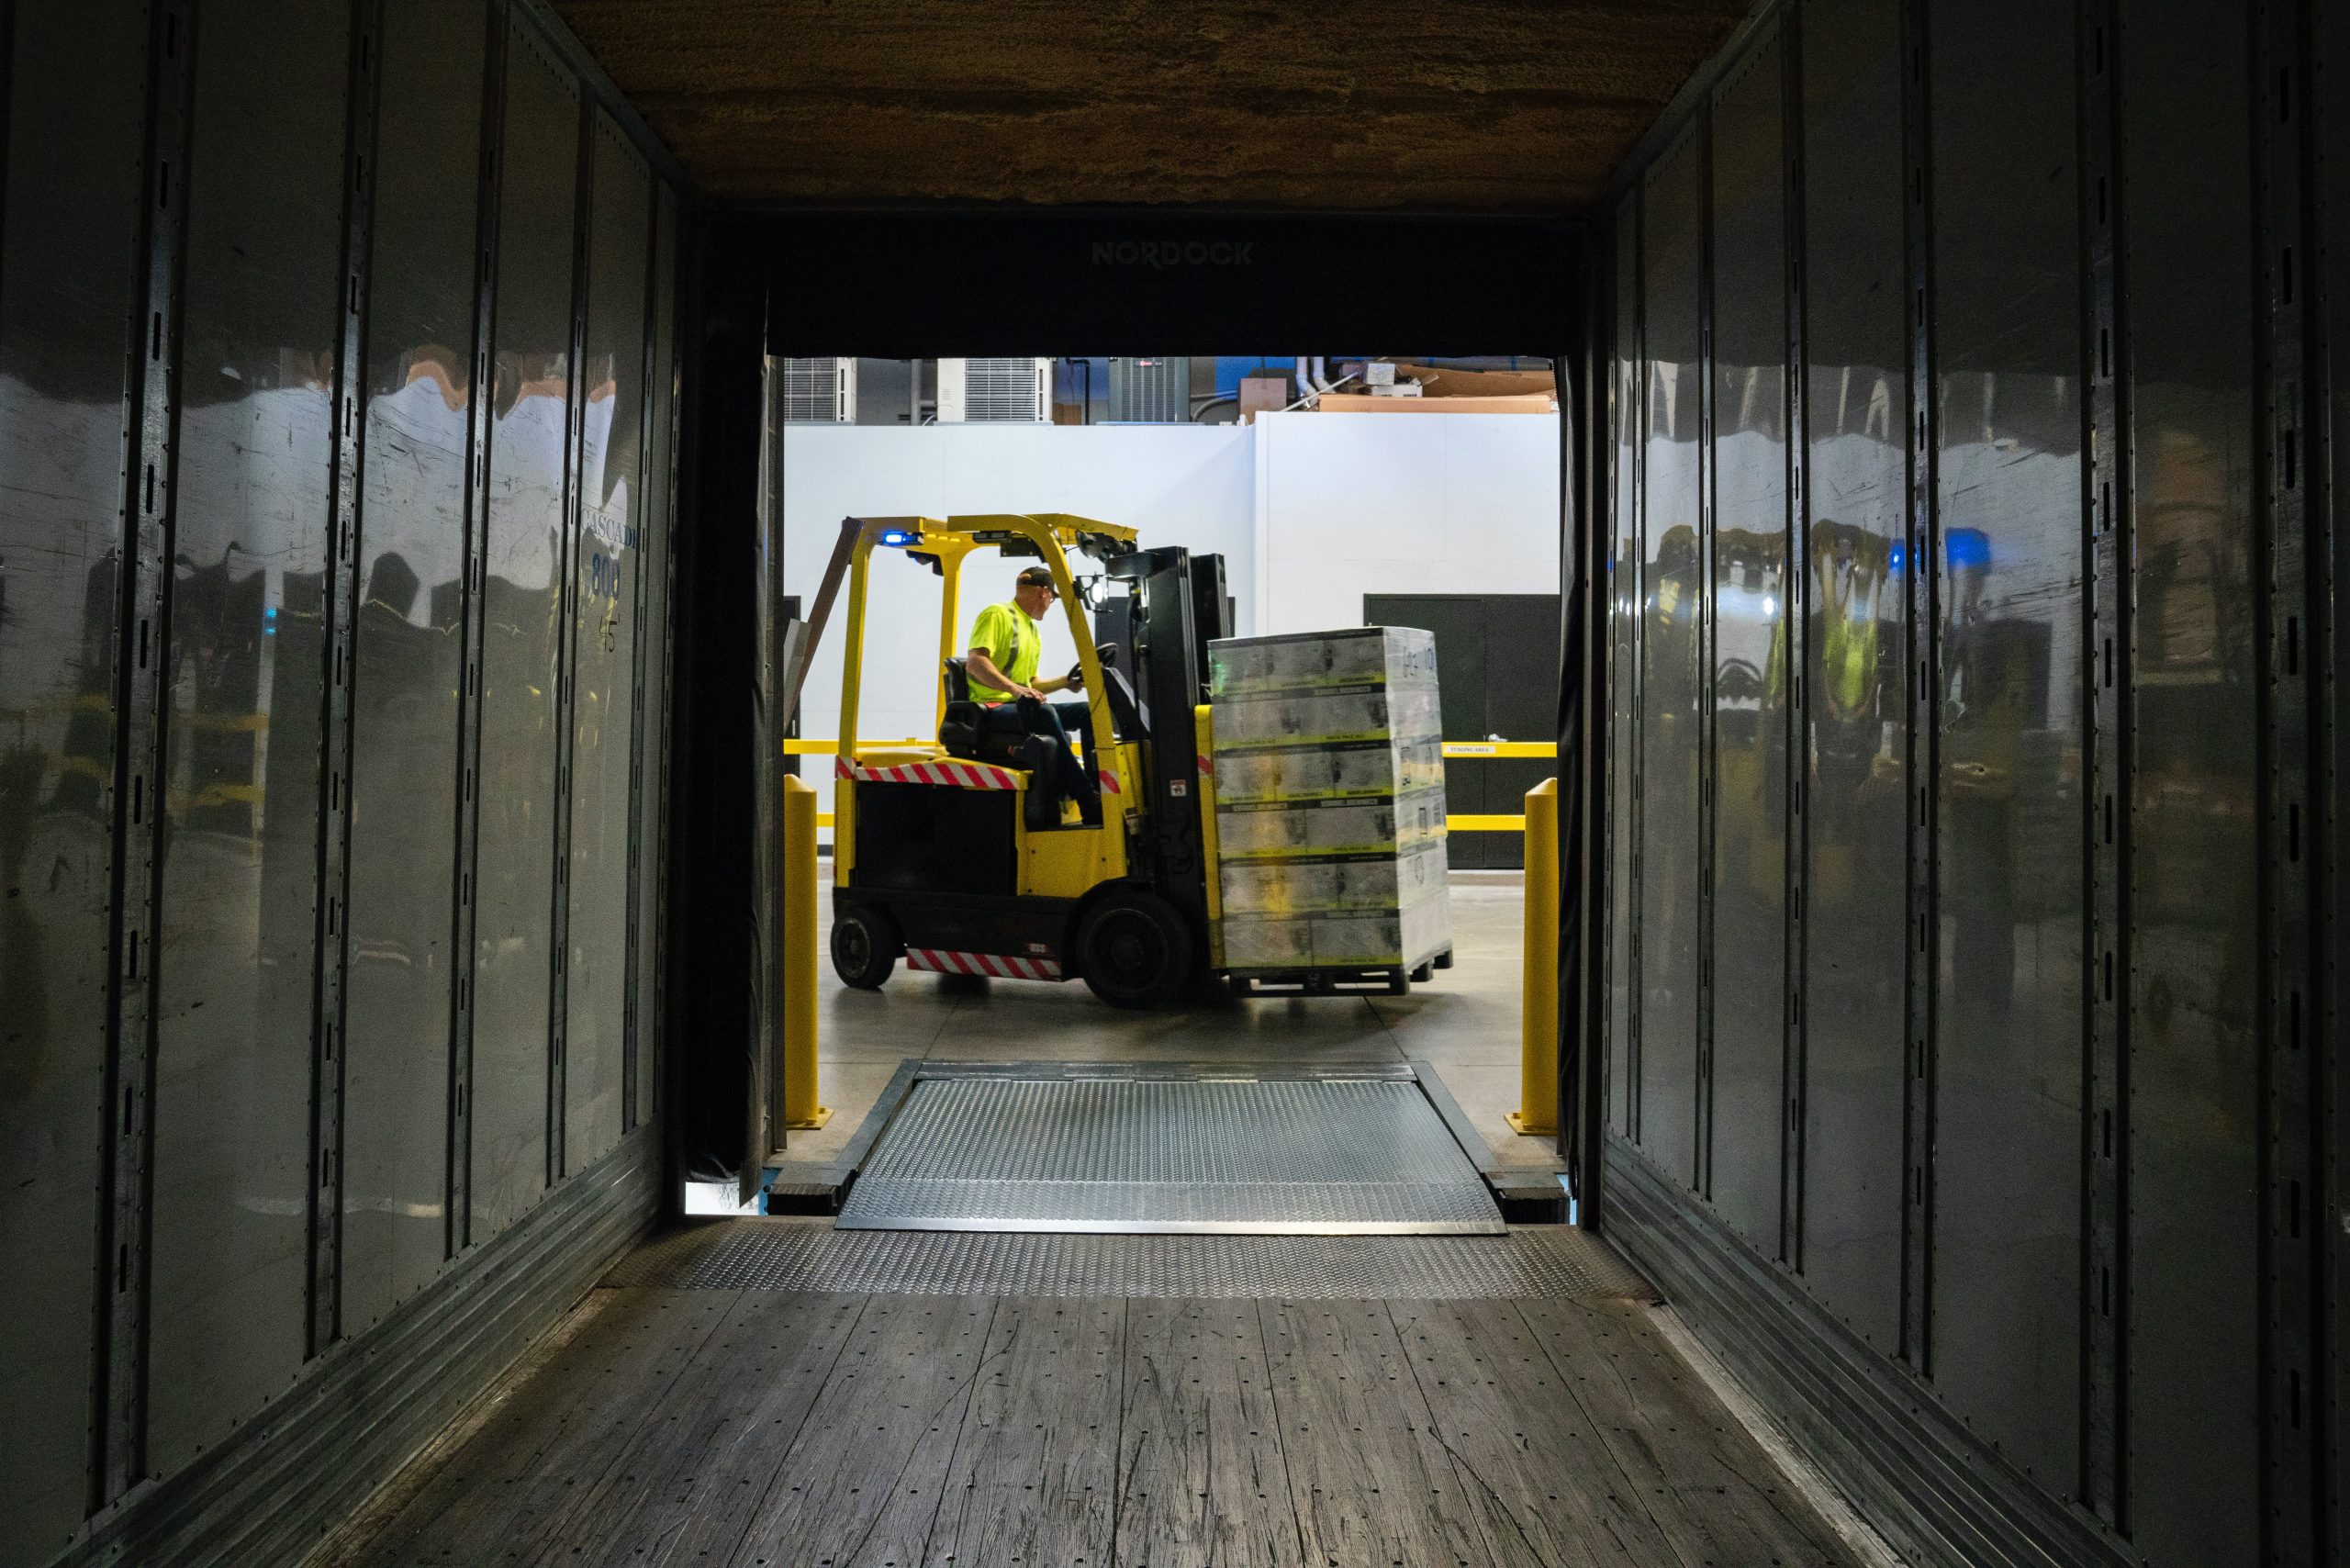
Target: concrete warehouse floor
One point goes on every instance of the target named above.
(1464, 1021)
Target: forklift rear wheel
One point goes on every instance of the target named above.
(1134, 949)
(865, 947)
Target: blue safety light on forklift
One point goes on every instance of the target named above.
(898, 537)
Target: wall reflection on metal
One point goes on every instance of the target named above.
(1856, 696)
(2019, 1183)
(224, 1235)
(2194, 912)
(1750, 678)
(2008, 1026)
(524, 644)
(649, 839)
(410, 660)
(246, 675)
(1625, 596)
(609, 556)
(71, 207)
(1672, 501)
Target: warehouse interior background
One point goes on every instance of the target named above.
(1939, 511)
(1312, 511)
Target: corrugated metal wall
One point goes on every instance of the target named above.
(336, 399)
(1970, 998)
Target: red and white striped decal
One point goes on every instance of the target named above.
(1110, 782)
(945, 771)
(1003, 966)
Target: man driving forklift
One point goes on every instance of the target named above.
(1007, 641)
(961, 856)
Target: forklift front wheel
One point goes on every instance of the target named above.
(865, 947)
(1134, 949)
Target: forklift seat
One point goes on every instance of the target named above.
(958, 682)
(1027, 735)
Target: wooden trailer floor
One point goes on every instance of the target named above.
(733, 1425)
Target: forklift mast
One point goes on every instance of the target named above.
(1174, 606)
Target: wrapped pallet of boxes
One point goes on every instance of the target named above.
(1329, 778)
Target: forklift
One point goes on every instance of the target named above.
(1026, 843)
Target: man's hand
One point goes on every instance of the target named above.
(980, 666)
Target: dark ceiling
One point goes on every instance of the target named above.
(1485, 104)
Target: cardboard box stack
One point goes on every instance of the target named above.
(1329, 778)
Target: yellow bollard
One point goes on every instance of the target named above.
(1538, 1091)
(799, 862)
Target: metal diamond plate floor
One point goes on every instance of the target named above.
(1556, 1261)
(1268, 1157)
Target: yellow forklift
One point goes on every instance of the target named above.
(1029, 841)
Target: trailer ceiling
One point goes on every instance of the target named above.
(1492, 104)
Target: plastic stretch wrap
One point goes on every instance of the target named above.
(1329, 770)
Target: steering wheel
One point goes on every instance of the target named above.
(1107, 653)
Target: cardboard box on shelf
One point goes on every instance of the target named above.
(1263, 395)
(1366, 403)
(1438, 381)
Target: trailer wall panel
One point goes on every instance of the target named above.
(245, 679)
(2061, 1271)
(252, 302)
(1672, 286)
(412, 662)
(1855, 589)
(69, 249)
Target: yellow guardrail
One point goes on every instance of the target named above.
(796, 746)
(1501, 748)
(801, 746)
(1460, 823)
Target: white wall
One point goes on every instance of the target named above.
(1188, 485)
(1310, 511)
(1350, 505)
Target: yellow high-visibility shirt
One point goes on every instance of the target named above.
(1013, 641)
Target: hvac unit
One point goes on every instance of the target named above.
(995, 391)
(1157, 391)
(819, 391)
